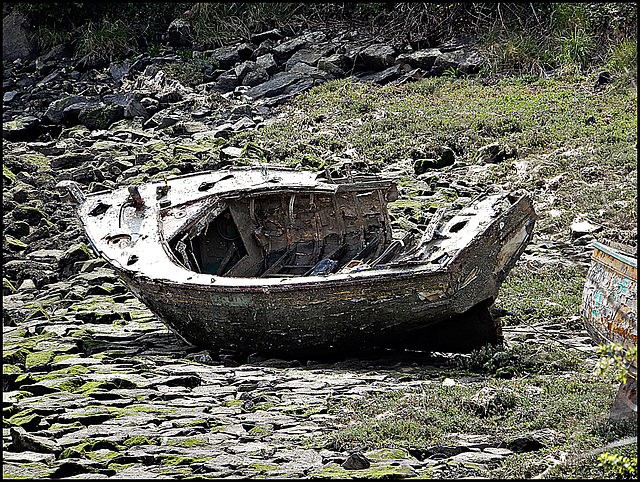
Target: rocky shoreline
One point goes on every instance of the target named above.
(93, 384)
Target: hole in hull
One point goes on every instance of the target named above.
(214, 250)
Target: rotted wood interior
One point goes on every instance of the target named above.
(287, 234)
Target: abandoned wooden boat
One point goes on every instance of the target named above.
(277, 260)
(610, 312)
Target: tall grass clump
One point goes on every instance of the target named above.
(217, 23)
(105, 40)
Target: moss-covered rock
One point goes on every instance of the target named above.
(27, 419)
(71, 384)
(7, 368)
(39, 360)
(37, 159)
(17, 356)
(187, 442)
(100, 116)
(141, 440)
(76, 253)
(8, 176)
(388, 454)
(75, 132)
(31, 215)
(14, 244)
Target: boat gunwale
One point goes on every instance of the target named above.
(377, 274)
(259, 285)
(282, 284)
(616, 254)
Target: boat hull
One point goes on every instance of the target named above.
(337, 317)
(422, 308)
(609, 299)
(610, 312)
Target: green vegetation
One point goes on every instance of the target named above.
(535, 294)
(619, 464)
(572, 405)
(518, 38)
(433, 414)
(615, 358)
(521, 359)
(140, 440)
(570, 140)
(189, 71)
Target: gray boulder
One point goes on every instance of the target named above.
(55, 111)
(10, 96)
(226, 82)
(119, 69)
(130, 104)
(225, 57)
(387, 75)
(268, 63)
(307, 70)
(275, 86)
(255, 77)
(334, 64)
(21, 440)
(21, 129)
(135, 109)
(71, 159)
(465, 60)
(307, 56)
(245, 51)
(423, 59)
(244, 68)
(274, 34)
(15, 43)
(285, 50)
(378, 56)
(100, 116)
(75, 254)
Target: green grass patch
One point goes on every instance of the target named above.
(575, 405)
(534, 294)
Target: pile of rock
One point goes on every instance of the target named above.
(44, 95)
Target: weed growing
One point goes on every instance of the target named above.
(104, 40)
(520, 360)
(533, 294)
(188, 71)
(573, 405)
